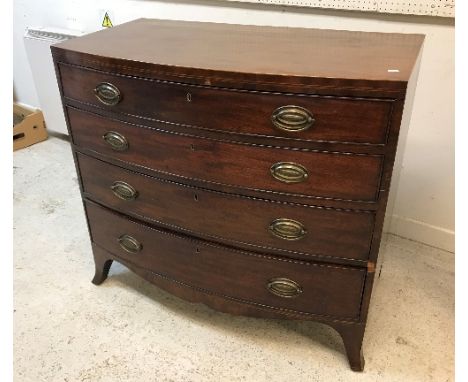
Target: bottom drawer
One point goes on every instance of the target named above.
(303, 287)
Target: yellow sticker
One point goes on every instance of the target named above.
(106, 22)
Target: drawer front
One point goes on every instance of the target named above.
(303, 173)
(319, 289)
(278, 227)
(266, 114)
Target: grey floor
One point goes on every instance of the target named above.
(67, 329)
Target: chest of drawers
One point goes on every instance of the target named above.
(246, 168)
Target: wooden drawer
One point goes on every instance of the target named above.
(312, 288)
(243, 112)
(318, 174)
(285, 228)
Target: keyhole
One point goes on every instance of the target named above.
(189, 97)
(197, 250)
(192, 147)
(195, 197)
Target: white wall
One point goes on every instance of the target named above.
(424, 207)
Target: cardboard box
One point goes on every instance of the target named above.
(28, 127)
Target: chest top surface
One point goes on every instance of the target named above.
(278, 51)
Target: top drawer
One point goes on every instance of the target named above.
(302, 117)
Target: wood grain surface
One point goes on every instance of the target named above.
(303, 52)
(330, 175)
(326, 289)
(229, 218)
(336, 119)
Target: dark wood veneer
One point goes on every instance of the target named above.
(252, 57)
(333, 175)
(195, 105)
(237, 111)
(234, 219)
(328, 290)
(351, 332)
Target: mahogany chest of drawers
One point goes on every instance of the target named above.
(246, 168)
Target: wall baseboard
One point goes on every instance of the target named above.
(425, 233)
(26, 105)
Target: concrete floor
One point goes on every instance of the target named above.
(67, 329)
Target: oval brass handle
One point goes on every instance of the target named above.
(116, 140)
(129, 244)
(283, 287)
(288, 172)
(292, 118)
(124, 190)
(287, 229)
(107, 94)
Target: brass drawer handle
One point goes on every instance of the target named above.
(283, 287)
(288, 172)
(129, 244)
(107, 94)
(292, 118)
(124, 190)
(287, 229)
(116, 140)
